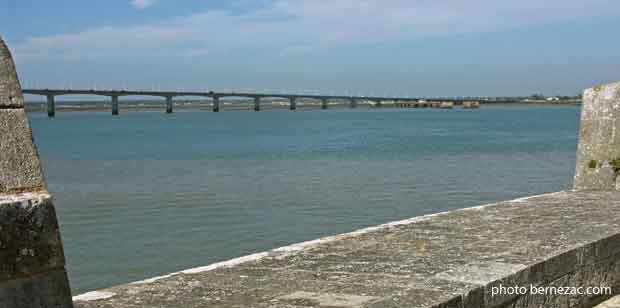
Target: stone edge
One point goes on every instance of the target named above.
(293, 248)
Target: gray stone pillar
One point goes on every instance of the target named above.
(257, 104)
(168, 104)
(353, 103)
(114, 105)
(32, 263)
(324, 103)
(598, 154)
(293, 103)
(216, 104)
(51, 106)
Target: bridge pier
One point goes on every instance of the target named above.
(257, 104)
(353, 103)
(293, 104)
(51, 106)
(114, 105)
(216, 104)
(168, 104)
(324, 103)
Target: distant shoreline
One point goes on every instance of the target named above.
(238, 106)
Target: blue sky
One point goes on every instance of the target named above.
(394, 47)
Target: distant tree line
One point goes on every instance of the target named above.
(538, 96)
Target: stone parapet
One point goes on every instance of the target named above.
(598, 154)
(10, 90)
(32, 263)
(20, 170)
(453, 259)
(30, 241)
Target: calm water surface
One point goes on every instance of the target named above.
(146, 193)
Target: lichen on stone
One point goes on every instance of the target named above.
(593, 164)
(615, 165)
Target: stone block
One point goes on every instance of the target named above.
(10, 90)
(43, 291)
(29, 237)
(598, 154)
(20, 170)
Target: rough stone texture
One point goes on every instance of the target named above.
(611, 303)
(29, 238)
(10, 90)
(451, 259)
(41, 291)
(32, 262)
(598, 155)
(20, 169)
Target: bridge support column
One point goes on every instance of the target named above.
(168, 104)
(293, 103)
(257, 104)
(353, 103)
(51, 106)
(216, 104)
(114, 105)
(324, 103)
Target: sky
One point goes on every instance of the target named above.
(362, 47)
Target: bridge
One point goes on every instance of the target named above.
(114, 95)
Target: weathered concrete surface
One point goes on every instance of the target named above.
(20, 169)
(32, 262)
(40, 291)
(29, 241)
(19, 165)
(10, 90)
(598, 155)
(610, 303)
(451, 259)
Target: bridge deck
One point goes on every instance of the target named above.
(453, 258)
(211, 94)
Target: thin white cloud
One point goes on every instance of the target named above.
(297, 26)
(143, 4)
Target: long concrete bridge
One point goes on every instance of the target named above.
(114, 95)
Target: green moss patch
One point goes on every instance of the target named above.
(615, 165)
(593, 164)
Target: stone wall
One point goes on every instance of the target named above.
(32, 272)
(445, 260)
